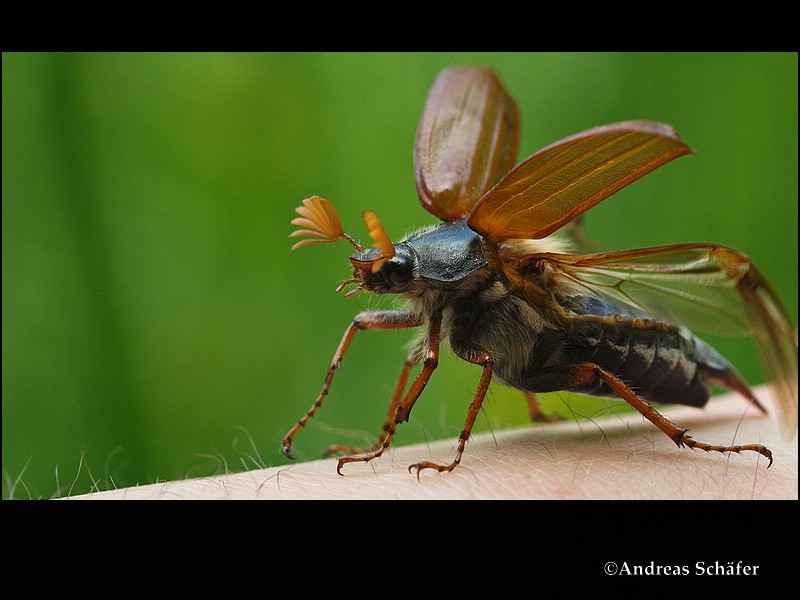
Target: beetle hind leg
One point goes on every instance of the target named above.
(576, 375)
(535, 410)
(689, 442)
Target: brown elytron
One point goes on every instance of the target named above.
(498, 282)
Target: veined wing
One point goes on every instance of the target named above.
(564, 180)
(705, 287)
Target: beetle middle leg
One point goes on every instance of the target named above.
(378, 319)
(390, 417)
(473, 353)
(575, 375)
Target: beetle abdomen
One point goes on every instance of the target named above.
(659, 362)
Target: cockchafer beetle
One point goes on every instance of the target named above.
(500, 281)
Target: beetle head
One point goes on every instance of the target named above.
(382, 268)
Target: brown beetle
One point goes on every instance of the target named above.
(499, 281)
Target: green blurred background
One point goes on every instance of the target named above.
(155, 324)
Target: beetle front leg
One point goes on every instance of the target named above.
(430, 362)
(370, 320)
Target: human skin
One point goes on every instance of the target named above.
(617, 457)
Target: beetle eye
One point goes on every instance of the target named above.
(398, 269)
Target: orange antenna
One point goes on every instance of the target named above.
(319, 220)
(380, 237)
